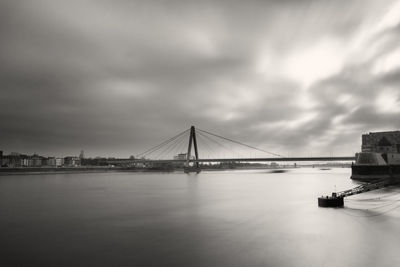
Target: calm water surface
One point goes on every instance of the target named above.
(229, 218)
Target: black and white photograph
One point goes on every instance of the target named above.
(200, 133)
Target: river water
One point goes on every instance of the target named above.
(220, 218)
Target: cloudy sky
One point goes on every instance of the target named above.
(296, 77)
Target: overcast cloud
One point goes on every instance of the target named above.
(115, 77)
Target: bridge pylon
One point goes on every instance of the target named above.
(192, 140)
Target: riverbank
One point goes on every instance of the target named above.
(51, 170)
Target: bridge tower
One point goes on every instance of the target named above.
(192, 140)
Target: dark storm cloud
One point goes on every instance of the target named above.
(114, 77)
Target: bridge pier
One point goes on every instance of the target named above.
(192, 169)
(192, 139)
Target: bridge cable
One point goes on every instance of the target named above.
(224, 146)
(240, 143)
(209, 147)
(171, 147)
(182, 147)
(203, 142)
(215, 141)
(162, 148)
(166, 148)
(157, 147)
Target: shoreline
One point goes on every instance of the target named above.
(66, 170)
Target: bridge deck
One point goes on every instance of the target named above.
(288, 159)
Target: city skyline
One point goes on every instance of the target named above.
(115, 78)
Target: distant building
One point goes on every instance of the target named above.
(12, 160)
(30, 161)
(5, 161)
(82, 155)
(37, 160)
(274, 165)
(16, 160)
(381, 142)
(59, 162)
(180, 156)
(72, 161)
(50, 161)
(25, 162)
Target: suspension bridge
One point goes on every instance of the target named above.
(215, 149)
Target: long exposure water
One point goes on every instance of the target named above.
(221, 218)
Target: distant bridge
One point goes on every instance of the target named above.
(286, 159)
(191, 163)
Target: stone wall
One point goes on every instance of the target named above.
(381, 142)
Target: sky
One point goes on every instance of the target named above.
(295, 77)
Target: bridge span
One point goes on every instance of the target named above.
(210, 140)
(216, 160)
